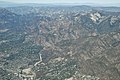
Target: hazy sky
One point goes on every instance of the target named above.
(65, 1)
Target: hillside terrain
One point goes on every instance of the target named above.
(60, 43)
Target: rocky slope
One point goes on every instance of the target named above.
(59, 43)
